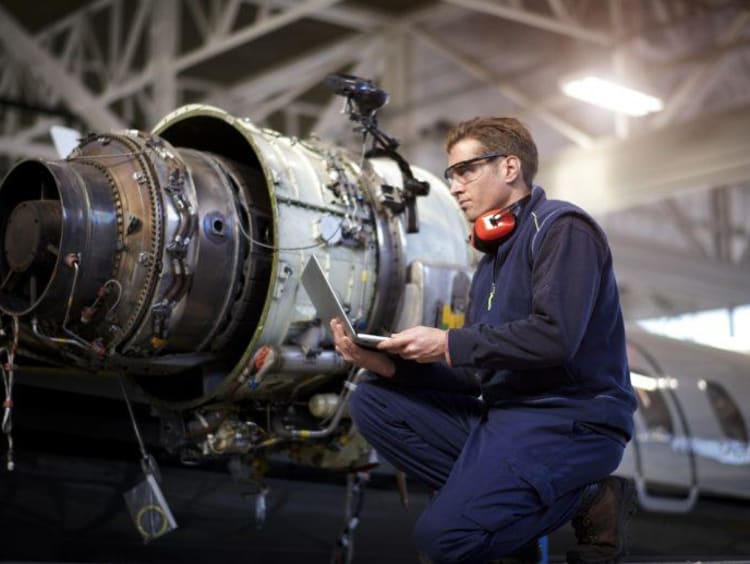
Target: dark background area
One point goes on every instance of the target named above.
(77, 455)
(64, 509)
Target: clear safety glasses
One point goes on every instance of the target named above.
(468, 170)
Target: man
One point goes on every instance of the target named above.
(544, 345)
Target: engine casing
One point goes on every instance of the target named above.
(174, 256)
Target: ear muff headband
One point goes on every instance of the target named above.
(493, 227)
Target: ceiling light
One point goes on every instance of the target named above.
(612, 96)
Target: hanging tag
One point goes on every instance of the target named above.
(149, 509)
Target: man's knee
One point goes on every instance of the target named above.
(450, 538)
(365, 405)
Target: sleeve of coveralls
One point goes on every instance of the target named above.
(566, 277)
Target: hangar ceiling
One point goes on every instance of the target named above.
(672, 189)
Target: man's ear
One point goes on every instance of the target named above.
(512, 166)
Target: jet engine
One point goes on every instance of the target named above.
(172, 259)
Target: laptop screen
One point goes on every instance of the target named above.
(323, 296)
(325, 301)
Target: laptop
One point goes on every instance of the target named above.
(325, 301)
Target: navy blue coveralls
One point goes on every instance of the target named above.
(544, 344)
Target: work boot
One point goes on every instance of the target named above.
(601, 525)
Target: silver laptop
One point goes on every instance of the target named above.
(325, 301)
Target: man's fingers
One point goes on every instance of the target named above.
(336, 328)
(395, 343)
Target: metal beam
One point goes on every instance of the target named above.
(721, 228)
(534, 20)
(701, 78)
(307, 109)
(287, 96)
(560, 10)
(213, 48)
(226, 19)
(702, 282)
(250, 33)
(619, 61)
(135, 34)
(618, 174)
(399, 67)
(10, 148)
(39, 128)
(487, 76)
(242, 96)
(22, 143)
(47, 69)
(200, 19)
(684, 225)
(163, 44)
(353, 17)
(745, 257)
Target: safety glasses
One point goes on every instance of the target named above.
(468, 170)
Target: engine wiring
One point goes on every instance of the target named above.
(8, 373)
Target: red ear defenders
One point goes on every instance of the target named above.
(493, 227)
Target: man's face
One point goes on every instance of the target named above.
(479, 186)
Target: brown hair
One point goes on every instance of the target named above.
(500, 135)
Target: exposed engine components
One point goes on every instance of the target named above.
(173, 258)
(324, 405)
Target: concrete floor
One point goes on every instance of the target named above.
(63, 509)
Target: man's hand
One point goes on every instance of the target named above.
(376, 362)
(423, 344)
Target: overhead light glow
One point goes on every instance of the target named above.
(612, 96)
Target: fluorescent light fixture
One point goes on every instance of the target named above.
(612, 96)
